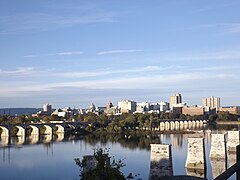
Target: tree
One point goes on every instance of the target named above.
(104, 170)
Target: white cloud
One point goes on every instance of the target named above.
(227, 27)
(30, 56)
(65, 53)
(214, 55)
(119, 51)
(17, 71)
(111, 72)
(69, 53)
(35, 22)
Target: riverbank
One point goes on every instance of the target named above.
(228, 122)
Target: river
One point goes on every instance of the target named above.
(55, 160)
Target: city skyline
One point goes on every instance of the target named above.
(75, 53)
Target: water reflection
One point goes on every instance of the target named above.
(33, 139)
(134, 142)
(219, 165)
(201, 173)
(160, 161)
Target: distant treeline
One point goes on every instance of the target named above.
(19, 111)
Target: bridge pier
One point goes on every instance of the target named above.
(233, 140)
(218, 154)
(218, 146)
(196, 158)
(161, 161)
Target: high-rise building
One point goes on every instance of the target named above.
(175, 99)
(109, 105)
(212, 102)
(164, 106)
(47, 108)
(127, 106)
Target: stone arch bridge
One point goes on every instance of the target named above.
(21, 128)
(178, 124)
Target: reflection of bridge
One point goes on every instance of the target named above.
(32, 132)
(222, 153)
(179, 124)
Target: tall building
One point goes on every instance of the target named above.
(164, 106)
(47, 108)
(212, 102)
(127, 106)
(175, 99)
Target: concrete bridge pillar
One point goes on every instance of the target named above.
(5, 132)
(233, 140)
(218, 154)
(196, 158)
(161, 161)
(219, 165)
(218, 146)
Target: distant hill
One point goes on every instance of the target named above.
(19, 111)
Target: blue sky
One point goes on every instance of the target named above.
(72, 53)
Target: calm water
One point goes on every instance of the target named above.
(55, 160)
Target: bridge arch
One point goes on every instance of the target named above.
(21, 131)
(60, 128)
(172, 125)
(60, 136)
(35, 130)
(5, 131)
(48, 130)
(167, 125)
(177, 125)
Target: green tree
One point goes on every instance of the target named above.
(104, 170)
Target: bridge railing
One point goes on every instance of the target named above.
(233, 169)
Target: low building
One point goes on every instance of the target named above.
(67, 112)
(142, 107)
(154, 107)
(193, 110)
(177, 108)
(231, 109)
